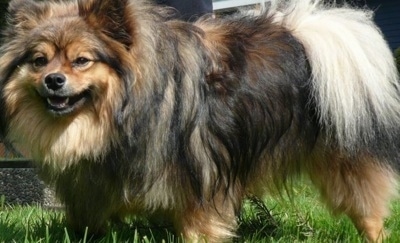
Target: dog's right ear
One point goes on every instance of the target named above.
(25, 14)
(14, 6)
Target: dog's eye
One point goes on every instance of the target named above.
(80, 62)
(40, 62)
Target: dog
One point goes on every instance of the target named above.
(128, 111)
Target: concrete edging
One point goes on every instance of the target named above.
(22, 185)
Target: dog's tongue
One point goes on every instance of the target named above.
(58, 102)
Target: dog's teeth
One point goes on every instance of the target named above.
(58, 102)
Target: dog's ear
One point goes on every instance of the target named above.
(112, 17)
(19, 10)
(25, 14)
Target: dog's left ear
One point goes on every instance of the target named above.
(112, 17)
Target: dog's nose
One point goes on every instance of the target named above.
(55, 81)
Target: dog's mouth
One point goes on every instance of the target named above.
(62, 105)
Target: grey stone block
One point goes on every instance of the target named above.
(23, 186)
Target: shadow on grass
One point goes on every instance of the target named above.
(135, 231)
(39, 225)
(33, 224)
(10, 231)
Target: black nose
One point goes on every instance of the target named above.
(55, 81)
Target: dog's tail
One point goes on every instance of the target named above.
(354, 77)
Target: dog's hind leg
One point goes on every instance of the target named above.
(361, 187)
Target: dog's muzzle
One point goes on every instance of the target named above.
(59, 97)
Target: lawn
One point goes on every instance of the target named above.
(302, 220)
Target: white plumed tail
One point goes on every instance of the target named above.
(354, 77)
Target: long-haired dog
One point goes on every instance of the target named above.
(127, 111)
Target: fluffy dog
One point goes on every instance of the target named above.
(127, 111)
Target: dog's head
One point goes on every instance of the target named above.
(64, 55)
(64, 70)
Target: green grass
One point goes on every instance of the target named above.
(304, 220)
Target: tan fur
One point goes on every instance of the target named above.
(170, 104)
(366, 200)
(86, 133)
(203, 223)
